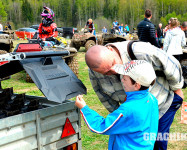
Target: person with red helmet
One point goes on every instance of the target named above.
(47, 29)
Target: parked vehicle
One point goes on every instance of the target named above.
(68, 32)
(6, 40)
(60, 31)
(36, 26)
(83, 39)
(25, 33)
(87, 40)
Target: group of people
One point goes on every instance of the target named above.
(116, 28)
(174, 35)
(119, 29)
(140, 85)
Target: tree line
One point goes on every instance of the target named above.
(23, 13)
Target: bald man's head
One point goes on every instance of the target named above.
(102, 59)
(95, 56)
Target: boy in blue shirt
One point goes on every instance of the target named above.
(126, 29)
(137, 118)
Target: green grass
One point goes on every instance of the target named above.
(92, 141)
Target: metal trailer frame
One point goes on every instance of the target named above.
(41, 129)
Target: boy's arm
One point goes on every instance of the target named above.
(110, 125)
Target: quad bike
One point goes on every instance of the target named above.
(6, 40)
(87, 40)
(39, 45)
(83, 39)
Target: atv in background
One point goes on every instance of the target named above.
(87, 40)
(110, 38)
(83, 39)
(36, 45)
(68, 32)
(6, 40)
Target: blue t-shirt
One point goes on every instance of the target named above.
(134, 125)
(115, 24)
(127, 28)
(121, 29)
(104, 30)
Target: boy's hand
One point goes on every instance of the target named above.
(80, 103)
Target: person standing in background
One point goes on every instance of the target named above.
(146, 29)
(90, 25)
(184, 28)
(104, 30)
(1, 27)
(9, 26)
(126, 29)
(121, 29)
(160, 33)
(114, 24)
(174, 40)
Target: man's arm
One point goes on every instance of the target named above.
(153, 37)
(109, 103)
(183, 42)
(166, 42)
(161, 61)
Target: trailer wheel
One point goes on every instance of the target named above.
(89, 44)
(28, 78)
(73, 65)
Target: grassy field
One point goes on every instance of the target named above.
(91, 141)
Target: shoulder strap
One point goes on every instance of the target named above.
(133, 57)
(129, 50)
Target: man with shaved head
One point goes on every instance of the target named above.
(106, 82)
